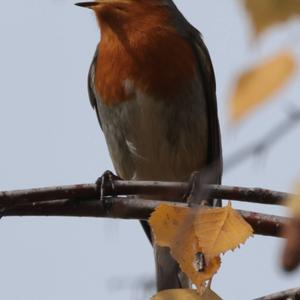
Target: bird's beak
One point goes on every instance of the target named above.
(87, 4)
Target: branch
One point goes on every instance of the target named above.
(129, 208)
(172, 190)
(291, 252)
(266, 142)
(83, 201)
(284, 295)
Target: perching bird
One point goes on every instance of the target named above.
(152, 85)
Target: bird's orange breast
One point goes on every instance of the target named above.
(157, 60)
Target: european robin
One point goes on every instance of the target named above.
(152, 85)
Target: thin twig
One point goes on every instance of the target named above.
(264, 143)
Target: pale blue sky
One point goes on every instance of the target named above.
(50, 136)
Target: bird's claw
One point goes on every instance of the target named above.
(194, 194)
(106, 181)
(197, 193)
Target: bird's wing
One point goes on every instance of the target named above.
(209, 83)
(91, 85)
(125, 171)
(207, 76)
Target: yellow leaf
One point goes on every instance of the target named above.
(172, 229)
(190, 233)
(185, 249)
(177, 294)
(220, 229)
(165, 223)
(210, 295)
(185, 294)
(265, 13)
(255, 86)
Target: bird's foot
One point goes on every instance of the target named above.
(196, 194)
(105, 183)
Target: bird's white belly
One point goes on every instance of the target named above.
(156, 140)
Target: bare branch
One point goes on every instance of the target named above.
(266, 142)
(172, 190)
(81, 201)
(292, 294)
(291, 252)
(130, 208)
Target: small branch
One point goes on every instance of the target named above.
(264, 224)
(81, 201)
(292, 294)
(130, 208)
(172, 190)
(291, 252)
(266, 142)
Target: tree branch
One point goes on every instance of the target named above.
(284, 295)
(265, 143)
(129, 208)
(172, 190)
(83, 200)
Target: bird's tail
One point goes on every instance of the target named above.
(168, 273)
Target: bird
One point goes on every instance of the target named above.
(152, 85)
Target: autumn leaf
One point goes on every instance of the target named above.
(266, 13)
(172, 229)
(186, 250)
(258, 84)
(165, 223)
(210, 295)
(185, 294)
(192, 232)
(177, 294)
(220, 229)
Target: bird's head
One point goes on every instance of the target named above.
(99, 5)
(120, 11)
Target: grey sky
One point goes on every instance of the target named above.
(50, 136)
